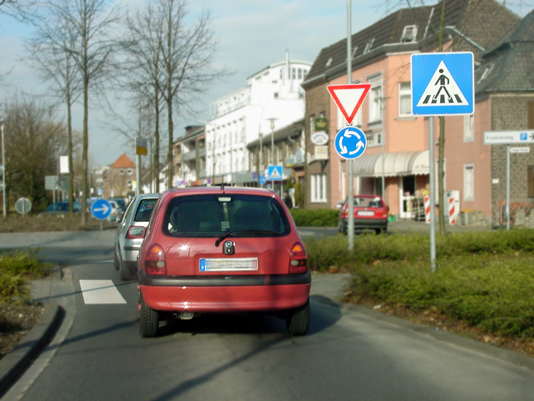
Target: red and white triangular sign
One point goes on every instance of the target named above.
(349, 98)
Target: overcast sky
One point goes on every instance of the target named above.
(251, 34)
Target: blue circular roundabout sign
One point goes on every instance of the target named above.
(350, 142)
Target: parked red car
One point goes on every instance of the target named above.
(370, 213)
(217, 249)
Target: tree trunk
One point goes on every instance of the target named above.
(69, 133)
(85, 164)
(170, 162)
(156, 140)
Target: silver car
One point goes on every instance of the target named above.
(130, 234)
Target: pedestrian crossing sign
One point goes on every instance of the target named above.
(442, 83)
(274, 173)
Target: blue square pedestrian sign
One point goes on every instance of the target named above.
(274, 173)
(443, 84)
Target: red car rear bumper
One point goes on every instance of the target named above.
(203, 297)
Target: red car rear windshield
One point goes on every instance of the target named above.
(215, 215)
(367, 202)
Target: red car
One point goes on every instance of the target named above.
(370, 213)
(217, 249)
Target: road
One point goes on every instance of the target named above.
(350, 354)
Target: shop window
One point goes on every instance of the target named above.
(318, 188)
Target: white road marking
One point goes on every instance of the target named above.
(101, 292)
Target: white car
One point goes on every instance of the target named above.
(128, 241)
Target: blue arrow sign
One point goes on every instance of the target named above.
(443, 84)
(101, 209)
(350, 142)
(275, 173)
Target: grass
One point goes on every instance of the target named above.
(485, 279)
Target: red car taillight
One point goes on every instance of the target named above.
(297, 259)
(154, 262)
(135, 232)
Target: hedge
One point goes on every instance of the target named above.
(315, 217)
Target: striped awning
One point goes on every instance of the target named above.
(391, 164)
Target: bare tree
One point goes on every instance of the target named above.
(143, 58)
(56, 65)
(90, 22)
(187, 52)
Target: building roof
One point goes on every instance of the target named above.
(123, 162)
(385, 35)
(509, 66)
(292, 129)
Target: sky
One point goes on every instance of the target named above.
(250, 35)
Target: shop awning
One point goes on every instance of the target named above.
(391, 164)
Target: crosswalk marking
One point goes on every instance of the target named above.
(100, 292)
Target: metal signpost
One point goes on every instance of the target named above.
(141, 149)
(350, 142)
(442, 84)
(509, 138)
(4, 198)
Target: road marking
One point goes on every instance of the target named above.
(100, 292)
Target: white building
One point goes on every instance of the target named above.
(272, 99)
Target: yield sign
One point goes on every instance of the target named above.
(349, 98)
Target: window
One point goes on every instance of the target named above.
(369, 46)
(329, 62)
(213, 215)
(375, 104)
(293, 73)
(530, 178)
(374, 138)
(469, 128)
(144, 210)
(405, 99)
(312, 125)
(354, 51)
(469, 182)
(318, 188)
(130, 171)
(275, 95)
(409, 34)
(121, 172)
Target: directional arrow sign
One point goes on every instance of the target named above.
(349, 98)
(101, 209)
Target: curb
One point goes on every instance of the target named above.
(15, 363)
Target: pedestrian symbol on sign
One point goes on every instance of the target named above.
(442, 90)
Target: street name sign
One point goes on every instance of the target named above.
(101, 209)
(443, 83)
(508, 137)
(521, 149)
(348, 98)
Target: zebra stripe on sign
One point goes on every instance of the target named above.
(100, 292)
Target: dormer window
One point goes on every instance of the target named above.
(354, 51)
(486, 72)
(409, 34)
(329, 62)
(369, 46)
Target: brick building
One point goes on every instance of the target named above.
(396, 163)
(119, 178)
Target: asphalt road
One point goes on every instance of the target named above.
(350, 354)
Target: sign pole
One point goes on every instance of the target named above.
(350, 217)
(508, 187)
(432, 179)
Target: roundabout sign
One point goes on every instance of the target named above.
(350, 143)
